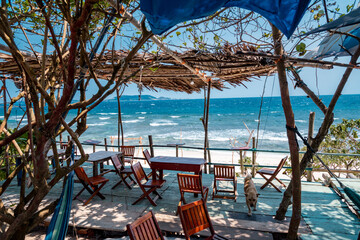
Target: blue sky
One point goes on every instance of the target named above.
(322, 82)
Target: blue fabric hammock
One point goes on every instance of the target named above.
(59, 222)
(163, 14)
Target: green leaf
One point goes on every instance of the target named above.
(301, 48)
(154, 69)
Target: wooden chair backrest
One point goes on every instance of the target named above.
(281, 164)
(139, 172)
(117, 163)
(195, 218)
(147, 156)
(81, 174)
(225, 172)
(128, 151)
(145, 227)
(189, 183)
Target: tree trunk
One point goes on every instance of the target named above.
(294, 150)
(20, 234)
(325, 126)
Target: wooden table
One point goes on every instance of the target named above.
(99, 157)
(183, 164)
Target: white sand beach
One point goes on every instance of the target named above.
(227, 157)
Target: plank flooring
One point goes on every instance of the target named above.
(324, 215)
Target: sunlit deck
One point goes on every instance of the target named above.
(325, 216)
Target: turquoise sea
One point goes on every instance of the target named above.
(170, 121)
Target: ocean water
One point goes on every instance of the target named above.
(170, 121)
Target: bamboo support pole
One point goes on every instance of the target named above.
(206, 124)
(61, 139)
(253, 162)
(151, 145)
(310, 135)
(241, 163)
(105, 144)
(106, 149)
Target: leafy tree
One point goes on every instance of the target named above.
(65, 32)
(9, 152)
(61, 35)
(342, 138)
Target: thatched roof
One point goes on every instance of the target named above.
(162, 71)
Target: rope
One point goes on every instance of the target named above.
(259, 116)
(295, 130)
(353, 195)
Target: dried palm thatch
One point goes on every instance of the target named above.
(160, 70)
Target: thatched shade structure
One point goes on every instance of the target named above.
(164, 72)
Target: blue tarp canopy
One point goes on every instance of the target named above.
(164, 14)
(349, 19)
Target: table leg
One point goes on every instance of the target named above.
(161, 174)
(101, 167)
(153, 174)
(95, 169)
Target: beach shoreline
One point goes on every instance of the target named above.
(217, 156)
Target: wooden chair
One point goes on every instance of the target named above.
(195, 218)
(151, 185)
(272, 173)
(128, 153)
(122, 171)
(147, 157)
(192, 184)
(90, 184)
(227, 174)
(145, 227)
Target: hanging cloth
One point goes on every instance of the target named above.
(163, 14)
(60, 220)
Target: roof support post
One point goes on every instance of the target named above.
(206, 124)
(294, 150)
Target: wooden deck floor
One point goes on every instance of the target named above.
(324, 215)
